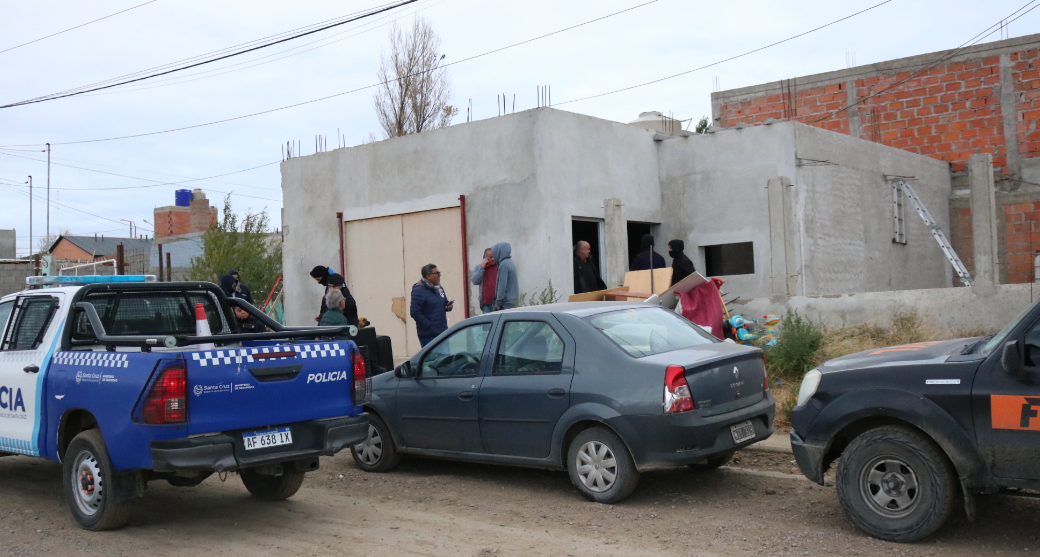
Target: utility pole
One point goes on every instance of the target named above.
(30, 217)
(48, 190)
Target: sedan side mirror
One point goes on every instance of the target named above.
(1012, 359)
(403, 371)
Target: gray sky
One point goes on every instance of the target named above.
(653, 41)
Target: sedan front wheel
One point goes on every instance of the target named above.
(601, 467)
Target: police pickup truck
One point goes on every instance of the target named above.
(110, 377)
(920, 427)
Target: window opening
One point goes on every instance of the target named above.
(729, 259)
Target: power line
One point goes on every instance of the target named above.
(225, 70)
(725, 60)
(340, 94)
(156, 183)
(147, 171)
(67, 206)
(88, 89)
(949, 54)
(76, 27)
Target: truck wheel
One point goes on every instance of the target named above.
(712, 462)
(896, 484)
(600, 466)
(377, 453)
(273, 488)
(87, 478)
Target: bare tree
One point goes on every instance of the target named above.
(415, 90)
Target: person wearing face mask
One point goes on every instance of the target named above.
(682, 267)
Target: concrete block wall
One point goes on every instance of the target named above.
(12, 276)
(984, 99)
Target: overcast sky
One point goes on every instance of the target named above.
(650, 42)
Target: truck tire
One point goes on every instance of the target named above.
(896, 484)
(88, 481)
(273, 488)
(377, 453)
(712, 462)
(601, 467)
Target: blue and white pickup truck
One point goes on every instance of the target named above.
(110, 379)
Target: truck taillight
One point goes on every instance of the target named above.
(167, 401)
(677, 397)
(360, 391)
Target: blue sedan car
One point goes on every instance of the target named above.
(604, 390)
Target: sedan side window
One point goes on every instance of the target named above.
(457, 355)
(528, 347)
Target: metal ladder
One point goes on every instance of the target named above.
(937, 232)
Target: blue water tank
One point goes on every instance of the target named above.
(183, 198)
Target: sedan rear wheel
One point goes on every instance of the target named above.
(377, 452)
(600, 466)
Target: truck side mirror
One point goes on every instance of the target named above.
(403, 371)
(1012, 358)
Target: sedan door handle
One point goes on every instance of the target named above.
(557, 393)
(466, 395)
(31, 369)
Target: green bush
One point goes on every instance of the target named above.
(548, 295)
(798, 339)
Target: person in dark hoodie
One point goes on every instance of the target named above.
(586, 275)
(647, 258)
(682, 267)
(321, 274)
(229, 285)
(507, 289)
(243, 290)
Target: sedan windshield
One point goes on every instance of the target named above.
(645, 332)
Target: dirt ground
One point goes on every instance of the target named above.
(428, 507)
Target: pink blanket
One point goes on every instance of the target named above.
(703, 306)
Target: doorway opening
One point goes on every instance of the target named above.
(591, 231)
(636, 231)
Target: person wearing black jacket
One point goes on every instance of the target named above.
(647, 258)
(682, 267)
(321, 274)
(586, 275)
(243, 290)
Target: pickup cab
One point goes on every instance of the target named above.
(110, 377)
(918, 429)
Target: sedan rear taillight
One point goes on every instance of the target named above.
(167, 400)
(360, 391)
(765, 373)
(677, 397)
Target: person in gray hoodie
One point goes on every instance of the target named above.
(507, 290)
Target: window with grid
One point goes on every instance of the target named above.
(148, 313)
(30, 323)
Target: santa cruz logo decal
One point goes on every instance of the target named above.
(197, 390)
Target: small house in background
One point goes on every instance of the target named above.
(81, 251)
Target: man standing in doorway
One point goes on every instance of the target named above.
(586, 275)
(682, 267)
(485, 276)
(430, 305)
(507, 289)
(647, 258)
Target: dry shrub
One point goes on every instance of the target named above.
(908, 327)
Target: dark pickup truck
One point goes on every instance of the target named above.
(921, 427)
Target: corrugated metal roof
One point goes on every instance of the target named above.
(105, 245)
(181, 251)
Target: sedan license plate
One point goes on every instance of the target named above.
(742, 431)
(268, 438)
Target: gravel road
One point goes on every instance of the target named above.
(757, 506)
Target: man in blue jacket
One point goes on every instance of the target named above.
(430, 305)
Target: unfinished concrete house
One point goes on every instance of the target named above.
(775, 211)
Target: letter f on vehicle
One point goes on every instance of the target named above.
(1028, 411)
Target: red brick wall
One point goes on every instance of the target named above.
(1023, 239)
(1025, 72)
(171, 223)
(948, 113)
